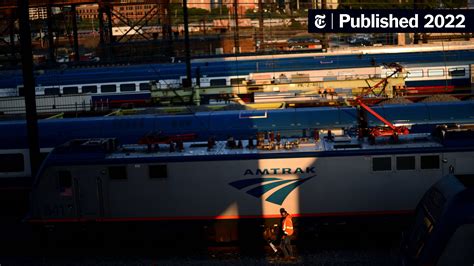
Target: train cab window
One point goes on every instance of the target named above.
(435, 72)
(429, 162)
(381, 164)
(406, 163)
(158, 171)
(127, 87)
(218, 82)
(145, 86)
(419, 235)
(237, 81)
(12, 162)
(108, 88)
(89, 89)
(65, 183)
(457, 72)
(415, 73)
(118, 172)
(51, 91)
(70, 90)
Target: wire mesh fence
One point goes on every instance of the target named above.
(153, 31)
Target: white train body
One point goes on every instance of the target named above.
(327, 178)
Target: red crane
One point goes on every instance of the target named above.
(392, 130)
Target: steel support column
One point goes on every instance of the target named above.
(29, 86)
(186, 45)
(100, 16)
(108, 13)
(324, 41)
(261, 24)
(167, 33)
(49, 19)
(12, 34)
(110, 36)
(236, 30)
(74, 33)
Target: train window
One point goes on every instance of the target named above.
(435, 72)
(118, 172)
(12, 162)
(433, 203)
(108, 88)
(127, 87)
(419, 236)
(218, 82)
(145, 86)
(406, 163)
(457, 72)
(390, 73)
(51, 91)
(70, 90)
(65, 183)
(415, 73)
(429, 162)
(381, 164)
(237, 81)
(158, 171)
(89, 89)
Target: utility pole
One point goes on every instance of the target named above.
(29, 86)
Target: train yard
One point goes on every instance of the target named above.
(212, 160)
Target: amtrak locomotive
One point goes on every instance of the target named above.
(99, 181)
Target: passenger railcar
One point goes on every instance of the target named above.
(220, 125)
(99, 181)
(120, 84)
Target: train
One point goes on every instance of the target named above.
(430, 70)
(218, 125)
(325, 175)
(443, 230)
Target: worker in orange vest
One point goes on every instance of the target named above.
(287, 232)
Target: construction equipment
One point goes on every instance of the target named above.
(372, 133)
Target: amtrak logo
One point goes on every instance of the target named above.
(265, 184)
(319, 21)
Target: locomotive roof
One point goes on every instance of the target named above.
(106, 151)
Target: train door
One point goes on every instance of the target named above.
(89, 196)
(457, 163)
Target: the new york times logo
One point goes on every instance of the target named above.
(319, 21)
(364, 21)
